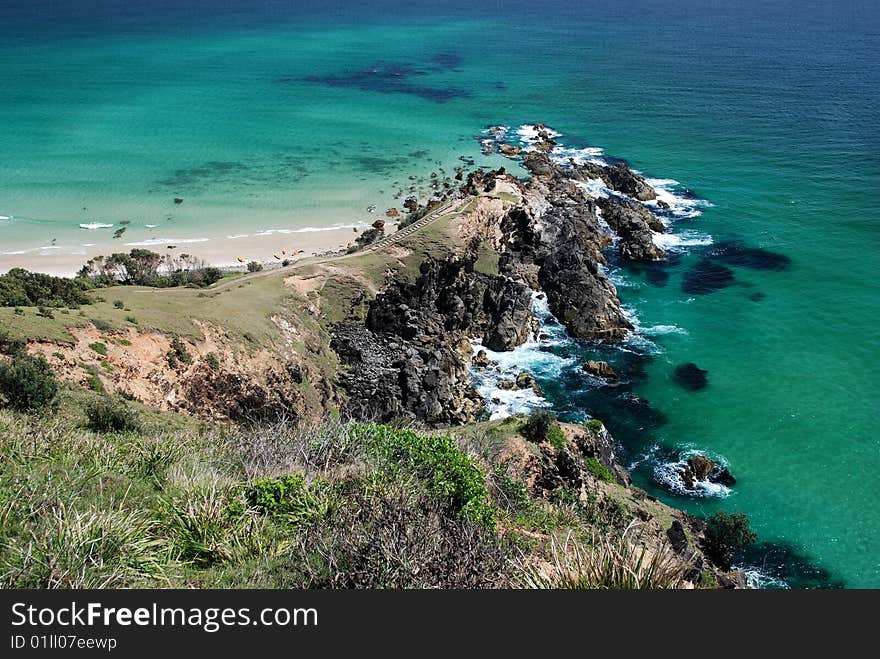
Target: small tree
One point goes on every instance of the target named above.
(726, 534)
(254, 266)
(27, 383)
(539, 426)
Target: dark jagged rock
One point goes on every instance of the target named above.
(618, 177)
(482, 360)
(677, 535)
(378, 224)
(405, 361)
(706, 277)
(691, 377)
(634, 223)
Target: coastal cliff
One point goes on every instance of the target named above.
(385, 337)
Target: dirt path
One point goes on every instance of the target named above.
(447, 208)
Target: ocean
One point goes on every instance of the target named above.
(761, 117)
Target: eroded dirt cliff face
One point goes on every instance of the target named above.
(210, 377)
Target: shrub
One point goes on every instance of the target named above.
(119, 304)
(99, 347)
(541, 426)
(254, 266)
(45, 312)
(178, 353)
(18, 311)
(726, 534)
(131, 319)
(27, 383)
(10, 345)
(212, 361)
(111, 415)
(556, 437)
(594, 425)
(395, 535)
(599, 470)
(291, 498)
(21, 288)
(450, 474)
(102, 325)
(369, 236)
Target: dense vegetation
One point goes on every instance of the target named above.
(141, 267)
(21, 288)
(105, 493)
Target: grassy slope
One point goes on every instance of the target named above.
(173, 505)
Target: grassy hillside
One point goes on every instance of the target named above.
(178, 503)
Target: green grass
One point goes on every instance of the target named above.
(599, 470)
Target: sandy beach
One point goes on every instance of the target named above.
(220, 251)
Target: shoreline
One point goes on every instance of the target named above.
(222, 252)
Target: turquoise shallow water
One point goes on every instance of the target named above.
(767, 110)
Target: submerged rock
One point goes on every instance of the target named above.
(734, 252)
(706, 277)
(691, 377)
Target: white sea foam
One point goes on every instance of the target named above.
(755, 578)
(680, 205)
(166, 241)
(335, 227)
(529, 132)
(530, 357)
(237, 235)
(669, 475)
(95, 225)
(88, 245)
(151, 226)
(5, 217)
(681, 240)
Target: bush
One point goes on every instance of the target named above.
(450, 474)
(178, 353)
(27, 383)
(99, 347)
(394, 535)
(212, 361)
(369, 236)
(541, 426)
(45, 312)
(10, 345)
(594, 425)
(111, 415)
(291, 498)
(726, 534)
(141, 267)
(599, 470)
(119, 304)
(21, 288)
(254, 266)
(131, 319)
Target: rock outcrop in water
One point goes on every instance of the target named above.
(634, 223)
(408, 359)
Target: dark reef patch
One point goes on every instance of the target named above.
(784, 562)
(734, 252)
(446, 61)
(690, 376)
(396, 78)
(706, 277)
(757, 297)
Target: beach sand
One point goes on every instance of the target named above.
(221, 252)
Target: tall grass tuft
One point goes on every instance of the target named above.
(607, 564)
